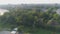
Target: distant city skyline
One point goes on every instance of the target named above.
(29, 1)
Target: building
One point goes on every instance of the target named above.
(2, 11)
(58, 11)
(14, 31)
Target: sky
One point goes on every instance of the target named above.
(29, 1)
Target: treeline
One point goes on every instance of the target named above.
(34, 18)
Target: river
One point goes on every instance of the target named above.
(4, 32)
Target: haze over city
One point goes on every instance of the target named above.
(29, 1)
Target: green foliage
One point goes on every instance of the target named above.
(29, 18)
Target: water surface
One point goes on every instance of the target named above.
(4, 32)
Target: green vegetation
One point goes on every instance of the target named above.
(32, 20)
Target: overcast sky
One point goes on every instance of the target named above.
(28, 1)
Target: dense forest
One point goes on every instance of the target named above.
(29, 20)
